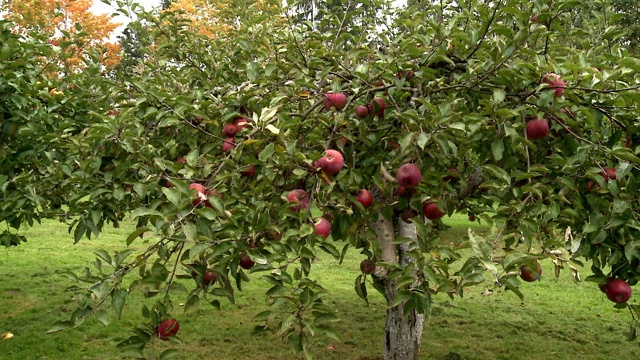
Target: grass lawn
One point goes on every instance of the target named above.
(559, 319)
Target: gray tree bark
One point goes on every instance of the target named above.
(403, 335)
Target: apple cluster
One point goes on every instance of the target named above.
(230, 130)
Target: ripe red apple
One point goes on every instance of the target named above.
(201, 192)
(228, 144)
(240, 123)
(528, 274)
(534, 19)
(537, 129)
(299, 197)
(362, 111)
(331, 163)
(472, 217)
(209, 278)
(167, 329)
(409, 176)
(452, 177)
(323, 227)
(377, 106)
(609, 173)
(431, 211)
(249, 172)
(337, 100)
(368, 266)
(365, 198)
(554, 82)
(181, 160)
(246, 262)
(229, 130)
(618, 291)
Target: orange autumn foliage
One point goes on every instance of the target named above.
(58, 18)
(218, 18)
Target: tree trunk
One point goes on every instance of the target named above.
(403, 335)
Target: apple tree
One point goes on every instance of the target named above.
(258, 152)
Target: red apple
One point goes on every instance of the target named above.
(537, 129)
(240, 123)
(431, 211)
(249, 172)
(167, 329)
(362, 111)
(534, 19)
(618, 291)
(299, 197)
(229, 130)
(367, 266)
(472, 217)
(409, 176)
(554, 82)
(201, 192)
(377, 106)
(331, 163)
(323, 227)
(246, 262)
(337, 100)
(365, 198)
(181, 160)
(528, 274)
(228, 144)
(209, 278)
(609, 173)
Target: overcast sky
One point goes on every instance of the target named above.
(101, 8)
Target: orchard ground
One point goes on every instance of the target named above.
(558, 320)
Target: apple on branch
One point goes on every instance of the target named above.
(331, 163)
(167, 328)
(409, 176)
(337, 100)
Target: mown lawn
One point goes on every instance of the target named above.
(558, 320)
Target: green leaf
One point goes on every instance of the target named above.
(60, 326)
(102, 254)
(197, 249)
(631, 63)
(190, 231)
(192, 302)
(267, 152)
(206, 212)
(136, 234)
(498, 96)
(497, 148)
(139, 212)
(119, 299)
(170, 354)
(173, 195)
(103, 317)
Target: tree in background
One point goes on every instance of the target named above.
(70, 24)
(217, 18)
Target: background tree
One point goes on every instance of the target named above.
(247, 147)
(218, 18)
(70, 23)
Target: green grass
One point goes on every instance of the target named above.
(558, 320)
